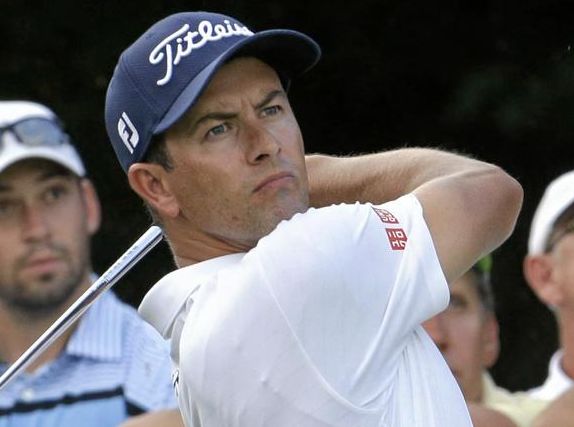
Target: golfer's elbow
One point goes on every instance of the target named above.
(506, 196)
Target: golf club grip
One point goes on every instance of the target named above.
(138, 250)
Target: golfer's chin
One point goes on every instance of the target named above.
(286, 212)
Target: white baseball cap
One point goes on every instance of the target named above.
(47, 140)
(558, 196)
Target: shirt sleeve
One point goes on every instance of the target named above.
(354, 282)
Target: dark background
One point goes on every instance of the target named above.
(491, 79)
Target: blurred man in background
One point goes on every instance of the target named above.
(549, 270)
(110, 365)
(467, 335)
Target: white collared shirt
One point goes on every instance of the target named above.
(317, 326)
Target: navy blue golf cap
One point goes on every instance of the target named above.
(161, 75)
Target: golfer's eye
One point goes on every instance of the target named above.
(272, 110)
(217, 130)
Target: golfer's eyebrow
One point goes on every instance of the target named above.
(215, 115)
(221, 115)
(270, 97)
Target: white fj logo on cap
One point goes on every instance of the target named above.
(185, 44)
(128, 132)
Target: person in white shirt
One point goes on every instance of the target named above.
(281, 314)
(549, 270)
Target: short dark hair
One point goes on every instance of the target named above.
(157, 153)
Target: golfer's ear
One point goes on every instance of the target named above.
(149, 181)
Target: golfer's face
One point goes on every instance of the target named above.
(239, 166)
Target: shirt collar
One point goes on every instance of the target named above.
(165, 300)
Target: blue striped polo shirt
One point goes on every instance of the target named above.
(114, 366)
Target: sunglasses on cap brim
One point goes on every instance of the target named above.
(37, 131)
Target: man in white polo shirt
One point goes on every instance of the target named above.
(281, 315)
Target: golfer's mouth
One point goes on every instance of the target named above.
(274, 181)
